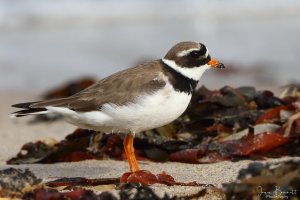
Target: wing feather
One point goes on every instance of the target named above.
(118, 89)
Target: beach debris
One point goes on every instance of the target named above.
(279, 180)
(15, 182)
(226, 124)
(145, 177)
(130, 192)
(75, 147)
(70, 182)
(266, 181)
(23, 184)
(135, 192)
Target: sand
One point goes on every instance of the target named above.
(16, 132)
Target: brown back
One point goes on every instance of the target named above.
(119, 88)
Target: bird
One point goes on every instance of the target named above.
(146, 96)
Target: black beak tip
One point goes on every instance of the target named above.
(220, 66)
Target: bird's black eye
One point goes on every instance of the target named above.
(195, 54)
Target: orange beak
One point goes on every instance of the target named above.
(216, 64)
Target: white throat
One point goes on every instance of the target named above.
(194, 73)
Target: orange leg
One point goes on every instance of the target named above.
(141, 176)
(129, 150)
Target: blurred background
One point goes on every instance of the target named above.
(45, 43)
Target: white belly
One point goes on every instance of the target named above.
(145, 113)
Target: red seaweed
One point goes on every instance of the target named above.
(145, 177)
(259, 143)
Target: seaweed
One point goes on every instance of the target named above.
(226, 124)
(269, 181)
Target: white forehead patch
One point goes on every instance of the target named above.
(186, 52)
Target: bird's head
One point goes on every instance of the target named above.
(191, 59)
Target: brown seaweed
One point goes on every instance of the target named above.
(226, 124)
(271, 181)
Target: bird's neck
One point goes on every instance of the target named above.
(179, 81)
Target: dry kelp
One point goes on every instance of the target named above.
(258, 181)
(271, 181)
(130, 193)
(75, 147)
(23, 184)
(225, 124)
(15, 182)
(145, 177)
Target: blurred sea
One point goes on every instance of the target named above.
(45, 43)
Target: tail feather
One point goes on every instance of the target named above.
(39, 107)
(27, 110)
(31, 111)
(23, 105)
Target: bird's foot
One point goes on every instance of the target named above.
(145, 177)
